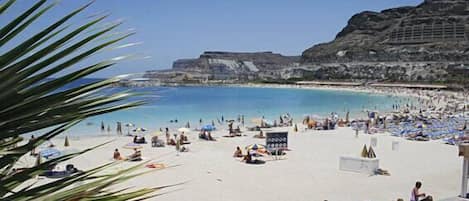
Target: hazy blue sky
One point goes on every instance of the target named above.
(173, 29)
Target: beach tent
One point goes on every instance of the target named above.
(371, 153)
(364, 152)
(208, 127)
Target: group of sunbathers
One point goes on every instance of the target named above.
(136, 156)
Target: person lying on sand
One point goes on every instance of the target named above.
(238, 153)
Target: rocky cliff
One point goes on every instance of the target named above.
(240, 66)
(432, 31)
(393, 43)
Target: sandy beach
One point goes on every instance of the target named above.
(310, 171)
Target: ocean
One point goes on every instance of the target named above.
(190, 104)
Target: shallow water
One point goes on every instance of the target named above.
(211, 103)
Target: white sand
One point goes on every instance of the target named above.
(309, 172)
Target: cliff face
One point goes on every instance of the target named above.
(428, 42)
(432, 31)
(235, 65)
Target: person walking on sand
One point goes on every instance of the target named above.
(416, 195)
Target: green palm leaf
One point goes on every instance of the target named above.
(31, 102)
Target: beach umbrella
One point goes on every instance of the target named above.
(157, 133)
(268, 122)
(184, 130)
(132, 146)
(66, 144)
(364, 152)
(256, 147)
(257, 121)
(208, 127)
(128, 125)
(140, 129)
(315, 116)
(50, 153)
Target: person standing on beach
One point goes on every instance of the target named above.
(33, 150)
(167, 134)
(416, 195)
(102, 126)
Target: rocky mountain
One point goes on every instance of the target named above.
(424, 43)
(428, 42)
(239, 66)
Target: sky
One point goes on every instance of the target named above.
(167, 30)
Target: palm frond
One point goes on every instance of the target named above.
(32, 102)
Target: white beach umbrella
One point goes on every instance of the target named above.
(184, 130)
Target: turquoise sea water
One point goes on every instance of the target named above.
(211, 103)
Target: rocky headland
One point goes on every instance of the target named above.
(427, 43)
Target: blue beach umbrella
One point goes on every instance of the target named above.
(208, 127)
(50, 153)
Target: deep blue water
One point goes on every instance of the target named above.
(209, 103)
